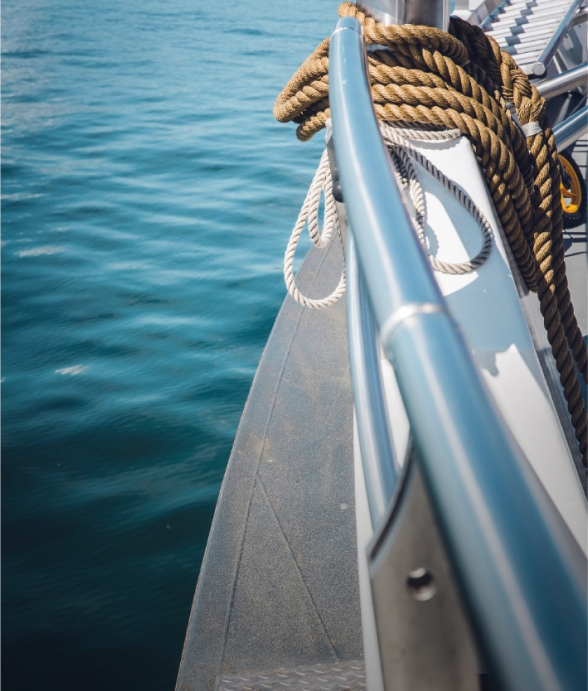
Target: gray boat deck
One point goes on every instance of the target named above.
(278, 585)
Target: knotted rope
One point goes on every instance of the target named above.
(426, 78)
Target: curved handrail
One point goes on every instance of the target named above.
(519, 568)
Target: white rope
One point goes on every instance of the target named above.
(321, 184)
(403, 153)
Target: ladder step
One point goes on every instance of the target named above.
(533, 47)
(524, 28)
(553, 11)
(530, 27)
(524, 38)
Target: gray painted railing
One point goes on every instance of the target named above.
(561, 83)
(520, 570)
(571, 129)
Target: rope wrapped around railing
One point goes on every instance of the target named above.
(423, 77)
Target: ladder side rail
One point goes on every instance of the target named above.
(542, 62)
(564, 82)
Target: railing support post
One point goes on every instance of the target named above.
(424, 12)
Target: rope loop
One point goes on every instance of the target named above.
(322, 184)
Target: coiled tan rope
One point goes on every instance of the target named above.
(427, 78)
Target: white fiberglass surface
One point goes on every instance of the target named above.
(486, 305)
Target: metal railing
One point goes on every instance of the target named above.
(571, 129)
(508, 547)
(581, 16)
(566, 81)
(427, 12)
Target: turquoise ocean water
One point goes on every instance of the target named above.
(147, 197)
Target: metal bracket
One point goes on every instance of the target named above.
(424, 638)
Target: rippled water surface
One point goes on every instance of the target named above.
(147, 198)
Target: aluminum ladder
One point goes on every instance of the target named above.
(532, 30)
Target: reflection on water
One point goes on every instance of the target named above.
(147, 198)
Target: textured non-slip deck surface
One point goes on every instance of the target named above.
(340, 676)
(278, 585)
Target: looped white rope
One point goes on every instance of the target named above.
(321, 184)
(403, 153)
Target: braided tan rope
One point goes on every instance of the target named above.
(547, 221)
(462, 80)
